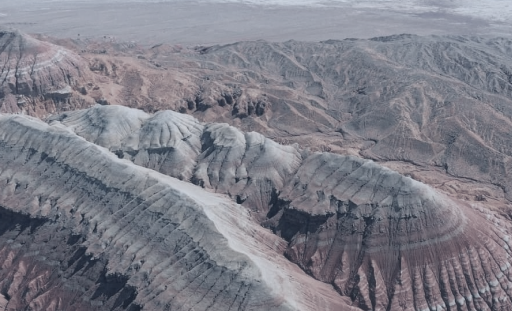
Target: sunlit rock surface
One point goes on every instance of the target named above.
(247, 166)
(382, 239)
(433, 103)
(81, 229)
(37, 77)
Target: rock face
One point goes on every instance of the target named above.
(91, 183)
(386, 241)
(38, 77)
(390, 242)
(247, 166)
(401, 98)
(81, 229)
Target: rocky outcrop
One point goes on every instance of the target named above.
(82, 229)
(247, 166)
(401, 98)
(385, 240)
(37, 77)
(389, 242)
(44, 267)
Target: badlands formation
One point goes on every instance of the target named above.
(38, 77)
(382, 239)
(240, 183)
(435, 108)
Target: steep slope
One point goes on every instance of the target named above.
(247, 166)
(84, 230)
(442, 104)
(402, 98)
(386, 241)
(392, 243)
(37, 77)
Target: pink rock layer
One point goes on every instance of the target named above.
(37, 76)
(385, 240)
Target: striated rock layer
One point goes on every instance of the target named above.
(404, 100)
(37, 77)
(385, 240)
(81, 229)
(442, 103)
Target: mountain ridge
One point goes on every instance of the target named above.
(146, 228)
(348, 222)
(277, 130)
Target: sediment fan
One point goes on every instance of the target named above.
(382, 239)
(34, 73)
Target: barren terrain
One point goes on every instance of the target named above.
(420, 105)
(355, 174)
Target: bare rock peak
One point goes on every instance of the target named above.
(146, 229)
(200, 209)
(36, 73)
(347, 221)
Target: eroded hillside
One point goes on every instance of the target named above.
(83, 229)
(382, 239)
(240, 184)
(435, 108)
